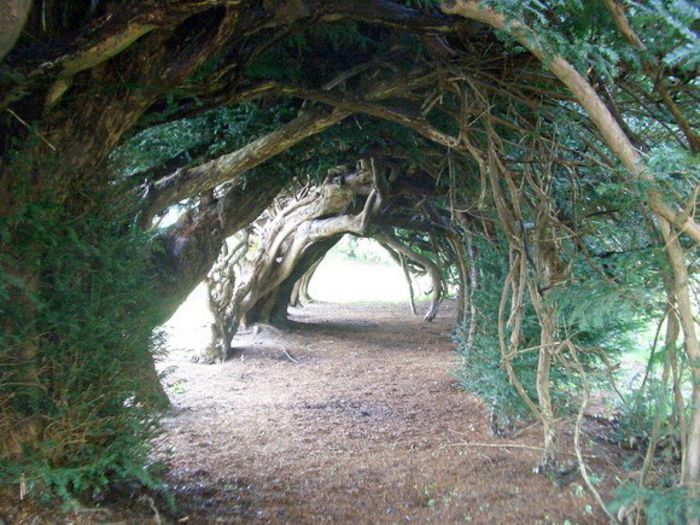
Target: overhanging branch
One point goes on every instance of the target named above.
(191, 181)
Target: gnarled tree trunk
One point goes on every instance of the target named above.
(300, 292)
(301, 232)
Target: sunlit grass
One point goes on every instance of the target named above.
(360, 270)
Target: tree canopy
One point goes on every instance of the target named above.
(542, 156)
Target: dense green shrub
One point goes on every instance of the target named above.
(77, 293)
(662, 506)
(482, 373)
(594, 313)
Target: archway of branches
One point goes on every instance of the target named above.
(459, 136)
(269, 266)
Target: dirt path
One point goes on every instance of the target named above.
(366, 428)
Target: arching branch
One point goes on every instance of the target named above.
(358, 105)
(585, 95)
(186, 182)
(191, 181)
(432, 269)
(185, 251)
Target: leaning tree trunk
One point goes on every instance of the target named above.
(290, 235)
(221, 281)
(300, 293)
(273, 308)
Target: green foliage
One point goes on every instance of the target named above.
(206, 136)
(299, 58)
(585, 34)
(674, 167)
(482, 372)
(638, 411)
(616, 295)
(670, 506)
(76, 291)
(567, 27)
(78, 313)
(611, 293)
(671, 31)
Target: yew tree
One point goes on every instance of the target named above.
(533, 132)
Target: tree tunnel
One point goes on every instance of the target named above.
(247, 286)
(529, 153)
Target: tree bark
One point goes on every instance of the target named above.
(187, 182)
(282, 296)
(13, 16)
(300, 292)
(623, 148)
(430, 267)
(289, 236)
(681, 290)
(184, 253)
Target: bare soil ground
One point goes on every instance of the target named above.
(368, 426)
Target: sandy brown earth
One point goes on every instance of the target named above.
(368, 426)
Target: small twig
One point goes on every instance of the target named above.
(290, 357)
(501, 445)
(26, 124)
(151, 503)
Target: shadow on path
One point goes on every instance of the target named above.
(367, 427)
